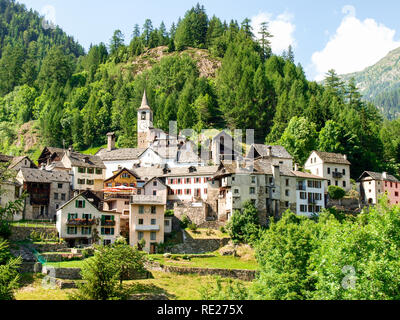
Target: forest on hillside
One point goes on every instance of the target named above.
(75, 98)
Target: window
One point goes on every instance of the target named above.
(60, 185)
(86, 216)
(155, 183)
(90, 170)
(107, 231)
(329, 170)
(179, 181)
(188, 181)
(166, 223)
(303, 195)
(344, 172)
(153, 222)
(271, 180)
(90, 182)
(153, 209)
(303, 208)
(205, 191)
(236, 191)
(252, 190)
(81, 181)
(139, 191)
(337, 183)
(141, 209)
(329, 182)
(287, 182)
(72, 230)
(56, 196)
(86, 230)
(197, 180)
(233, 178)
(153, 236)
(396, 194)
(72, 216)
(141, 221)
(80, 204)
(171, 181)
(63, 196)
(81, 170)
(99, 171)
(140, 235)
(253, 179)
(310, 184)
(344, 184)
(287, 193)
(287, 204)
(188, 191)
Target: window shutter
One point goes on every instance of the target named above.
(112, 218)
(84, 204)
(112, 231)
(76, 203)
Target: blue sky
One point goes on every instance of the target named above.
(341, 34)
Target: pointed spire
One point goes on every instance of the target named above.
(145, 104)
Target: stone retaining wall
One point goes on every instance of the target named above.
(198, 246)
(51, 247)
(244, 275)
(63, 273)
(23, 233)
(58, 257)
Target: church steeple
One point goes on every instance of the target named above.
(145, 104)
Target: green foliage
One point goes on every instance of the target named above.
(185, 222)
(224, 290)
(104, 272)
(244, 226)
(336, 193)
(299, 138)
(169, 213)
(192, 227)
(9, 274)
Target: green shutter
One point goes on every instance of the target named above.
(76, 204)
(112, 231)
(112, 218)
(84, 204)
(102, 231)
(69, 216)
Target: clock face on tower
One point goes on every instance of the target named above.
(143, 126)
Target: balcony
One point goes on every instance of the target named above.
(108, 223)
(81, 222)
(141, 199)
(116, 196)
(140, 227)
(337, 175)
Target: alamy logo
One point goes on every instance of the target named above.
(49, 17)
(349, 281)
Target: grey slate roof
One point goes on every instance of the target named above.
(120, 154)
(277, 151)
(185, 171)
(17, 160)
(336, 158)
(148, 173)
(85, 160)
(378, 176)
(259, 166)
(43, 176)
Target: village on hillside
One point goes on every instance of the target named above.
(144, 193)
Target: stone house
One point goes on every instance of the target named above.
(333, 167)
(147, 215)
(47, 192)
(278, 154)
(9, 192)
(77, 219)
(21, 162)
(374, 184)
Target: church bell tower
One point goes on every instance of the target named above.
(144, 123)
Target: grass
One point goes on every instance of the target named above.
(33, 224)
(176, 287)
(217, 262)
(206, 234)
(66, 264)
(93, 151)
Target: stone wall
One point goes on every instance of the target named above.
(196, 214)
(63, 273)
(51, 247)
(57, 257)
(244, 275)
(346, 204)
(23, 233)
(198, 246)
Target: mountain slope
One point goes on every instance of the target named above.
(380, 83)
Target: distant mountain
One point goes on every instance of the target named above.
(380, 84)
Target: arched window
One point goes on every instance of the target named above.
(143, 115)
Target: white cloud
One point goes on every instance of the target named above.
(355, 45)
(281, 27)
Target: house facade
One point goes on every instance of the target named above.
(147, 215)
(9, 192)
(333, 167)
(81, 221)
(88, 172)
(47, 192)
(374, 184)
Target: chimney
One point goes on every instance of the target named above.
(384, 175)
(269, 151)
(345, 157)
(296, 167)
(110, 141)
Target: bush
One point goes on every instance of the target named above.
(169, 213)
(336, 193)
(185, 221)
(222, 229)
(192, 227)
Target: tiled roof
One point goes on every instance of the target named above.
(332, 157)
(195, 171)
(276, 151)
(120, 154)
(85, 160)
(43, 176)
(378, 176)
(119, 172)
(148, 173)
